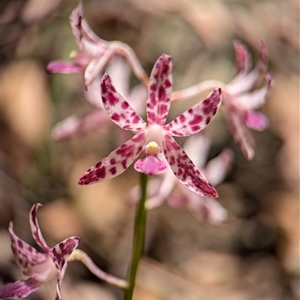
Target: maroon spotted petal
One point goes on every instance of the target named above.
(118, 108)
(35, 229)
(116, 162)
(197, 117)
(60, 254)
(19, 289)
(159, 91)
(184, 169)
(25, 255)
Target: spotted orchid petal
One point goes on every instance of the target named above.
(184, 169)
(244, 83)
(19, 289)
(159, 91)
(60, 254)
(64, 67)
(116, 162)
(218, 167)
(239, 130)
(118, 108)
(76, 126)
(150, 165)
(197, 117)
(25, 255)
(35, 228)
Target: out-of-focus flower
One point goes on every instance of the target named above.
(166, 187)
(98, 119)
(39, 267)
(94, 53)
(155, 138)
(239, 100)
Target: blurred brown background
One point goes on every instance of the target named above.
(254, 256)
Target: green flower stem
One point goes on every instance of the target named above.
(139, 238)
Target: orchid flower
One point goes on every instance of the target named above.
(94, 53)
(98, 119)
(239, 101)
(155, 138)
(39, 267)
(167, 188)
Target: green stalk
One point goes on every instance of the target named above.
(139, 237)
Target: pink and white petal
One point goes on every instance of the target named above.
(86, 39)
(75, 21)
(24, 254)
(256, 120)
(64, 67)
(62, 251)
(218, 167)
(118, 108)
(159, 91)
(93, 94)
(59, 280)
(197, 148)
(178, 200)
(239, 131)
(184, 169)
(95, 67)
(210, 210)
(35, 228)
(100, 45)
(75, 126)
(245, 83)
(163, 191)
(197, 117)
(19, 289)
(150, 165)
(255, 99)
(242, 58)
(116, 162)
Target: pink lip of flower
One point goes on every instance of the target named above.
(94, 52)
(239, 103)
(39, 267)
(155, 137)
